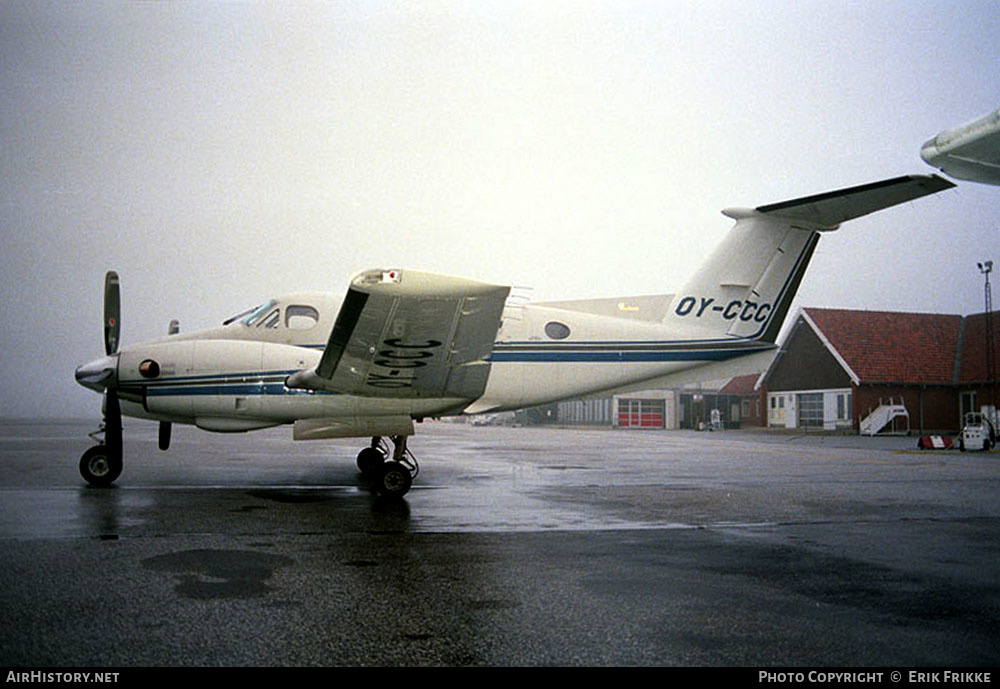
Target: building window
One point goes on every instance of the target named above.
(811, 410)
(844, 410)
(968, 402)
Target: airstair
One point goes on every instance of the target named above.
(886, 416)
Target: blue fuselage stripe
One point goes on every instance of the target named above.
(242, 390)
(271, 382)
(615, 356)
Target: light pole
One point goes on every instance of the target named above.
(986, 268)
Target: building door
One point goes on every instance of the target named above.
(776, 416)
(810, 410)
(640, 413)
(968, 403)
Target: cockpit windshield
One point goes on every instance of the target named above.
(261, 315)
(269, 315)
(241, 314)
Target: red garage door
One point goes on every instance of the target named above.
(640, 413)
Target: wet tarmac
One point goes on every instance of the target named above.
(516, 546)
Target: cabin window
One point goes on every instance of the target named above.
(300, 317)
(556, 330)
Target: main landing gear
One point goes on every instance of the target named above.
(393, 477)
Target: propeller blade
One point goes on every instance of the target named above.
(165, 427)
(113, 423)
(112, 312)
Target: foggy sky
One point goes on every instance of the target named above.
(217, 154)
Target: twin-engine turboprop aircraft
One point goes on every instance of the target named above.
(404, 345)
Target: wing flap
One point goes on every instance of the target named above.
(410, 334)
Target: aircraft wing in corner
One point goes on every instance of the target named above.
(970, 151)
(407, 334)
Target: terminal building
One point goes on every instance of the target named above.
(734, 406)
(837, 371)
(837, 368)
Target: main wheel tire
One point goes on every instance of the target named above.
(100, 467)
(394, 481)
(370, 461)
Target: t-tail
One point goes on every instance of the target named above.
(746, 287)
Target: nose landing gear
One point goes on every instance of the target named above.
(99, 466)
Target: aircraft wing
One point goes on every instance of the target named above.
(405, 333)
(970, 151)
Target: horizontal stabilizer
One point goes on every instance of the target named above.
(746, 287)
(830, 209)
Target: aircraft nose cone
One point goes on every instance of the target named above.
(97, 374)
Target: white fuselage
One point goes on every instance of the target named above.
(232, 378)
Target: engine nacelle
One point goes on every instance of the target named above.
(352, 427)
(223, 384)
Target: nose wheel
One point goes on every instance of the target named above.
(99, 466)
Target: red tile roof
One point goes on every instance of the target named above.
(888, 347)
(974, 348)
(740, 385)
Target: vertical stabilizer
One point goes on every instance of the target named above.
(745, 288)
